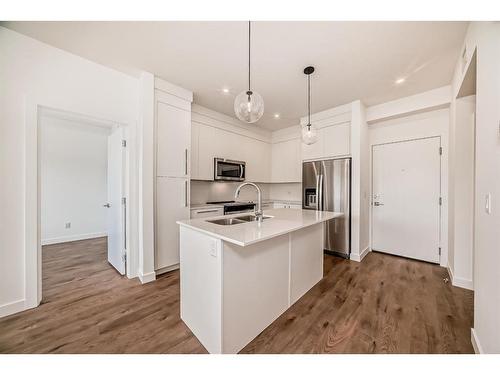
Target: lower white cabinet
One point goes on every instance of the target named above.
(172, 204)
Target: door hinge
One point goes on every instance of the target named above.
(124, 257)
(440, 201)
(124, 200)
(440, 151)
(124, 143)
(439, 251)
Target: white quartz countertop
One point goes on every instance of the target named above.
(284, 220)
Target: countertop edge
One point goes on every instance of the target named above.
(243, 244)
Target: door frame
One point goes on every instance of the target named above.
(34, 109)
(443, 208)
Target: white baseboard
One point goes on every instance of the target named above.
(147, 278)
(478, 349)
(12, 308)
(359, 257)
(459, 281)
(168, 269)
(76, 237)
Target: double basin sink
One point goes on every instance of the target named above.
(236, 220)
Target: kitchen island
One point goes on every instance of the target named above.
(237, 278)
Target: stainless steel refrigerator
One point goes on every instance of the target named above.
(326, 186)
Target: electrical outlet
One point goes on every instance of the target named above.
(213, 248)
(67, 225)
(487, 205)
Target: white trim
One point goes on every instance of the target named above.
(459, 281)
(172, 89)
(147, 278)
(209, 117)
(167, 269)
(423, 102)
(75, 237)
(463, 283)
(359, 257)
(12, 308)
(343, 111)
(32, 248)
(478, 349)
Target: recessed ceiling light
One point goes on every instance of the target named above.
(225, 90)
(276, 115)
(400, 81)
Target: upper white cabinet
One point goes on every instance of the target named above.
(257, 155)
(173, 138)
(333, 141)
(286, 161)
(212, 142)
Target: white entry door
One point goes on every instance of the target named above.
(116, 206)
(406, 198)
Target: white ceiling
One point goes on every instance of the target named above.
(353, 60)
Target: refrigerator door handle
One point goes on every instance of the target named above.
(320, 197)
(317, 193)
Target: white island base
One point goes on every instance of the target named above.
(230, 293)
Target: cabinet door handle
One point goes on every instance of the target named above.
(185, 193)
(186, 161)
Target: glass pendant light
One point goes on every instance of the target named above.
(249, 105)
(309, 133)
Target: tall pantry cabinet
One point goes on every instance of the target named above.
(173, 164)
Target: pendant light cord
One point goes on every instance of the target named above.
(249, 32)
(308, 102)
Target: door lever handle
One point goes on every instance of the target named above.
(377, 204)
(107, 205)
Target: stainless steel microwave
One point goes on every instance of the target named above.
(229, 170)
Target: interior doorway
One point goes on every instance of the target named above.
(407, 198)
(82, 197)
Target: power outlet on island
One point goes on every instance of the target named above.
(213, 248)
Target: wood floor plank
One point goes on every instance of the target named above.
(384, 304)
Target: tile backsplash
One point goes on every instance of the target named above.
(207, 191)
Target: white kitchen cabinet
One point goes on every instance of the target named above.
(173, 140)
(207, 141)
(206, 212)
(212, 142)
(173, 147)
(172, 204)
(286, 161)
(195, 138)
(337, 140)
(257, 158)
(333, 141)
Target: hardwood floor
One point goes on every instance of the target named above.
(384, 304)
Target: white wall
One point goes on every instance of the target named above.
(73, 180)
(485, 37)
(428, 124)
(31, 71)
(360, 183)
